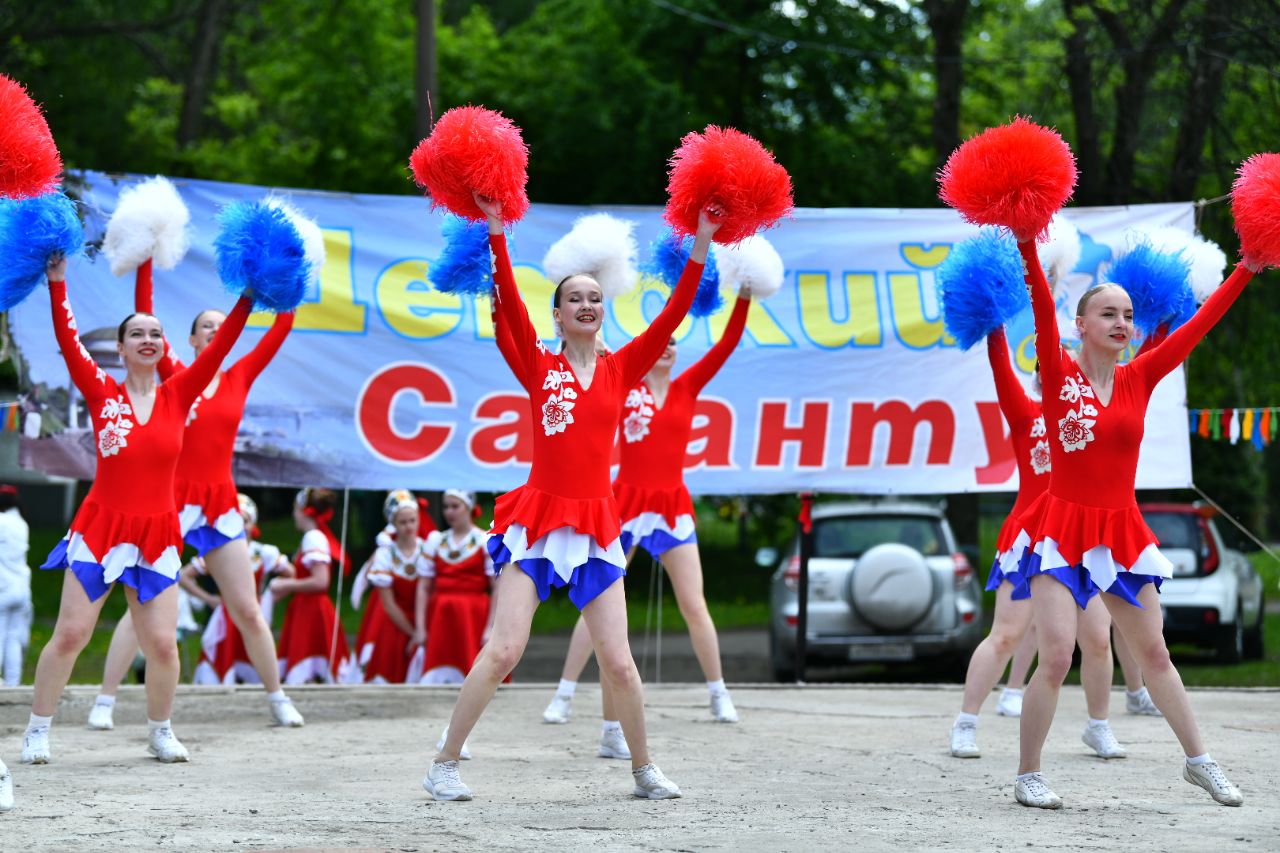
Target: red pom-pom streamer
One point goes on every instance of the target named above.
(733, 171)
(473, 149)
(1255, 204)
(29, 160)
(1016, 176)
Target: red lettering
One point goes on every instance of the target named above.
(375, 413)
(903, 422)
(1000, 459)
(774, 431)
(711, 436)
(506, 437)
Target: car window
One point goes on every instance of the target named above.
(853, 535)
(1174, 529)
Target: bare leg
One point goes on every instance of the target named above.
(580, 651)
(988, 660)
(1129, 667)
(684, 567)
(1023, 658)
(516, 601)
(156, 623)
(1143, 629)
(606, 616)
(1055, 617)
(120, 655)
(229, 567)
(76, 617)
(1093, 634)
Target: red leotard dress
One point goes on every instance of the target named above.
(561, 528)
(457, 605)
(381, 646)
(1086, 530)
(1030, 450)
(223, 657)
(308, 621)
(655, 507)
(127, 528)
(204, 490)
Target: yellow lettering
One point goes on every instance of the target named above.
(761, 325)
(336, 310)
(906, 295)
(860, 325)
(1024, 354)
(537, 292)
(924, 259)
(629, 310)
(411, 306)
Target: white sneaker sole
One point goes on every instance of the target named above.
(606, 752)
(1051, 805)
(98, 727)
(443, 798)
(168, 759)
(1186, 774)
(645, 794)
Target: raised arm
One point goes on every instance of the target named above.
(1045, 312)
(188, 383)
(256, 360)
(1014, 402)
(704, 369)
(85, 373)
(144, 303)
(1157, 362)
(510, 352)
(511, 317)
(644, 350)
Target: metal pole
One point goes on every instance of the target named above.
(342, 546)
(802, 590)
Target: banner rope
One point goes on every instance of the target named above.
(342, 545)
(1231, 518)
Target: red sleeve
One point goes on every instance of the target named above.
(256, 360)
(511, 315)
(704, 369)
(144, 303)
(639, 355)
(85, 373)
(1048, 344)
(188, 383)
(1014, 402)
(510, 353)
(1161, 359)
(1153, 340)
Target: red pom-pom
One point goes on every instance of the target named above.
(1016, 176)
(29, 160)
(725, 167)
(473, 149)
(1255, 204)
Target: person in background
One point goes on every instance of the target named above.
(15, 586)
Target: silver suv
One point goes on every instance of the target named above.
(886, 583)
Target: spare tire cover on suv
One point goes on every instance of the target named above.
(892, 586)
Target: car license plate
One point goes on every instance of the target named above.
(885, 651)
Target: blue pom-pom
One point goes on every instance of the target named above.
(259, 249)
(981, 286)
(667, 259)
(33, 231)
(1158, 283)
(465, 265)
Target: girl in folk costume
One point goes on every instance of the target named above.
(454, 602)
(127, 529)
(307, 650)
(392, 634)
(657, 515)
(561, 529)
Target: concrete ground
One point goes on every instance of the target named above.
(808, 769)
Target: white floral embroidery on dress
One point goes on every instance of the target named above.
(191, 413)
(1075, 430)
(1038, 429)
(1040, 458)
(115, 432)
(635, 427)
(555, 378)
(557, 413)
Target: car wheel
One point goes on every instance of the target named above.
(782, 664)
(1254, 647)
(1231, 640)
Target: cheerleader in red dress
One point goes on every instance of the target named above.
(1086, 533)
(391, 634)
(307, 649)
(127, 529)
(657, 515)
(561, 529)
(454, 600)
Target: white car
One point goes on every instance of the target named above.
(1215, 598)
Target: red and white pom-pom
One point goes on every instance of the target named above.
(754, 264)
(729, 169)
(1060, 252)
(308, 230)
(601, 246)
(29, 161)
(150, 221)
(1255, 203)
(1015, 176)
(473, 149)
(1208, 261)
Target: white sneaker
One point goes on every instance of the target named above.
(652, 785)
(35, 747)
(722, 708)
(1103, 741)
(464, 753)
(6, 788)
(1033, 792)
(101, 717)
(964, 741)
(1140, 703)
(165, 746)
(1010, 703)
(282, 711)
(559, 710)
(1210, 777)
(613, 744)
(442, 782)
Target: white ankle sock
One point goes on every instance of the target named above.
(1135, 694)
(566, 688)
(1013, 691)
(611, 726)
(107, 701)
(1199, 759)
(1022, 777)
(153, 725)
(277, 696)
(36, 722)
(962, 717)
(1098, 724)
(716, 687)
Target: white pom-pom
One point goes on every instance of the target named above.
(753, 264)
(150, 221)
(308, 230)
(1061, 252)
(601, 246)
(1208, 261)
